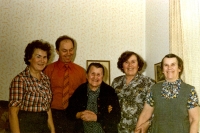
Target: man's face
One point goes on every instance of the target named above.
(66, 51)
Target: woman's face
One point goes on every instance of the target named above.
(171, 69)
(130, 66)
(38, 60)
(95, 77)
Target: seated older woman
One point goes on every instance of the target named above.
(94, 105)
(173, 102)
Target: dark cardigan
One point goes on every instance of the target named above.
(107, 96)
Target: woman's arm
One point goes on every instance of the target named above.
(144, 127)
(194, 119)
(50, 121)
(13, 119)
(144, 117)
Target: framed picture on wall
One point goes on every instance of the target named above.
(159, 76)
(106, 65)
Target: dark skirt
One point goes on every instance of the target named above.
(33, 122)
(61, 122)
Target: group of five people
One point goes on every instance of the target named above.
(46, 99)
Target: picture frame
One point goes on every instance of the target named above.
(159, 76)
(106, 65)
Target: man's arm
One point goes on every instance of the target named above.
(13, 119)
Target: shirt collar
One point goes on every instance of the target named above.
(62, 64)
(171, 89)
(90, 91)
(134, 79)
(28, 73)
(177, 82)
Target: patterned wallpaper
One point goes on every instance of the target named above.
(103, 29)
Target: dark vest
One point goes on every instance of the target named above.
(171, 115)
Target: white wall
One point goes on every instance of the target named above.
(103, 30)
(157, 33)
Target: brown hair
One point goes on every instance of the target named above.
(125, 56)
(97, 65)
(36, 44)
(61, 38)
(180, 62)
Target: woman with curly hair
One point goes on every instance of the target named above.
(131, 89)
(30, 93)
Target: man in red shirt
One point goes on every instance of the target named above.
(65, 47)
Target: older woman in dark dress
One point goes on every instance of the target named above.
(94, 105)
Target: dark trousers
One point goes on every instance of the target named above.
(33, 122)
(61, 122)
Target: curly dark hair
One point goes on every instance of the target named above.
(36, 44)
(97, 65)
(125, 56)
(61, 38)
(180, 62)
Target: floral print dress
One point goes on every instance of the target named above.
(131, 99)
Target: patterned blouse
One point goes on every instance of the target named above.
(92, 126)
(29, 93)
(171, 90)
(131, 99)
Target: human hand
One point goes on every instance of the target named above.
(142, 128)
(88, 115)
(137, 130)
(109, 108)
(53, 131)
